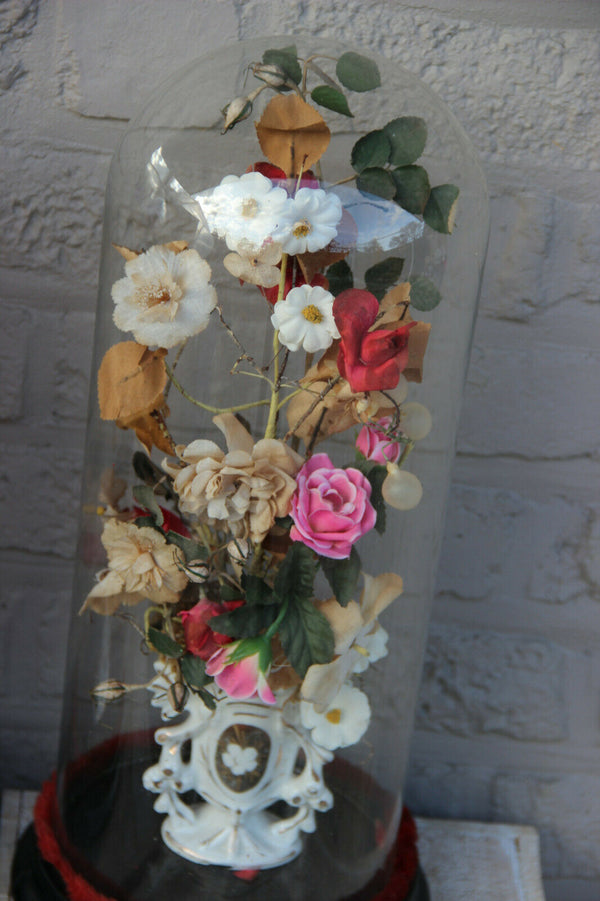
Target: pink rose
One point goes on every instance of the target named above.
(200, 639)
(375, 445)
(241, 669)
(331, 507)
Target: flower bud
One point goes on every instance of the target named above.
(416, 421)
(401, 489)
(197, 571)
(110, 690)
(272, 75)
(236, 111)
(238, 550)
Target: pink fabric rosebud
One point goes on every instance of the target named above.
(241, 669)
(368, 360)
(331, 507)
(375, 445)
(200, 639)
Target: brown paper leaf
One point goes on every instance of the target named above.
(417, 345)
(131, 380)
(292, 134)
(311, 263)
(396, 313)
(176, 246)
(394, 307)
(341, 404)
(127, 254)
(150, 430)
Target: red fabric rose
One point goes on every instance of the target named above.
(368, 360)
(200, 639)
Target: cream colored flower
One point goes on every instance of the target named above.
(243, 490)
(165, 297)
(141, 565)
(357, 639)
(258, 267)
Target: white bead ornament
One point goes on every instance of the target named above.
(401, 489)
(415, 421)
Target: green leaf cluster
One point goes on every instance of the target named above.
(305, 634)
(385, 163)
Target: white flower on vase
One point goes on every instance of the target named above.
(244, 210)
(240, 760)
(305, 319)
(371, 645)
(165, 297)
(312, 217)
(342, 723)
(359, 639)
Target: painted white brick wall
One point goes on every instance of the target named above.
(508, 723)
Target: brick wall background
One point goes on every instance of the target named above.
(509, 716)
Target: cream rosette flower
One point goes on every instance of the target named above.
(141, 566)
(165, 297)
(245, 208)
(359, 639)
(311, 220)
(342, 723)
(243, 490)
(257, 267)
(305, 319)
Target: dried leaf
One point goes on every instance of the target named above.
(125, 252)
(396, 313)
(292, 134)
(128, 254)
(341, 404)
(417, 345)
(311, 263)
(112, 488)
(131, 380)
(151, 431)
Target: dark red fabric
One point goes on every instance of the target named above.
(47, 827)
(45, 820)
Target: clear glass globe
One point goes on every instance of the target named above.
(160, 189)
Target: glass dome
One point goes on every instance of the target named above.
(293, 245)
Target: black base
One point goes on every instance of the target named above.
(33, 879)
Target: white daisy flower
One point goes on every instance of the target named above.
(305, 319)
(244, 208)
(165, 297)
(311, 221)
(342, 723)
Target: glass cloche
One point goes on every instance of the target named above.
(293, 244)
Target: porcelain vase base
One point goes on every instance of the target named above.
(224, 838)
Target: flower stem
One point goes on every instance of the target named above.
(211, 409)
(407, 449)
(271, 429)
(275, 625)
